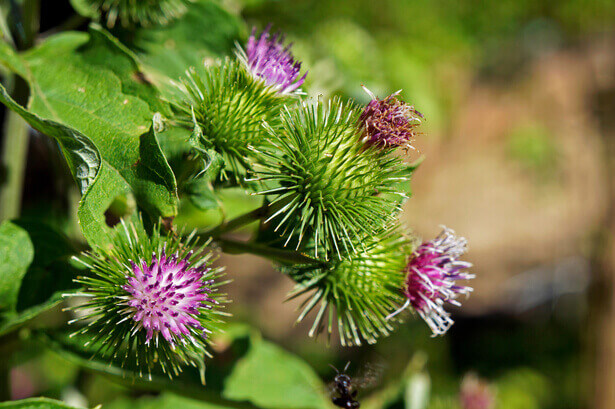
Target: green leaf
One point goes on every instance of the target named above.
(49, 275)
(81, 154)
(35, 403)
(270, 377)
(16, 254)
(88, 93)
(52, 270)
(188, 383)
(200, 189)
(106, 51)
(205, 31)
(164, 401)
(259, 372)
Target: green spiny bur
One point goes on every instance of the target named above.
(324, 183)
(356, 293)
(230, 106)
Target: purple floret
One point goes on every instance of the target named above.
(389, 121)
(432, 274)
(166, 297)
(267, 58)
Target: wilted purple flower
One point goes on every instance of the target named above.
(267, 58)
(432, 274)
(167, 297)
(389, 121)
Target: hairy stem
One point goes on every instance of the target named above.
(278, 255)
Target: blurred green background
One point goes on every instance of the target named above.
(519, 100)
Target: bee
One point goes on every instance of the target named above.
(345, 389)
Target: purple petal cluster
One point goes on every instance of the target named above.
(166, 297)
(389, 121)
(433, 271)
(267, 58)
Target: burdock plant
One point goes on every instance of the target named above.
(150, 299)
(325, 179)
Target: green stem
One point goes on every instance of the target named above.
(278, 255)
(237, 222)
(72, 23)
(13, 160)
(15, 147)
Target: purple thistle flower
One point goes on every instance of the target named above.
(167, 297)
(432, 273)
(389, 121)
(267, 58)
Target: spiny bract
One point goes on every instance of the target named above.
(230, 106)
(151, 300)
(324, 183)
(357, 293)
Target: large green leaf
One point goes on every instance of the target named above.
(270, 377)
(87, 92)
(77, 350)
(35, 403)
(16, 254)
(205, 31)
(251, 373)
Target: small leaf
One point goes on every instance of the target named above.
(16, 254)
(200, 190)
(51, 272)
(49, 275)
(35, 403)
(270, 377)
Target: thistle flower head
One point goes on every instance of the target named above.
(325, 185)
(229, 107)
(146, 308)
(432, 273)
(267, 58)
(167, 296)
(140, 13)
(355, 293)
(389, 122)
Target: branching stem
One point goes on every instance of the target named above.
(274, 254)
(237, 222)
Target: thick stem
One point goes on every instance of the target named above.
(278, 255)
(237, 222)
